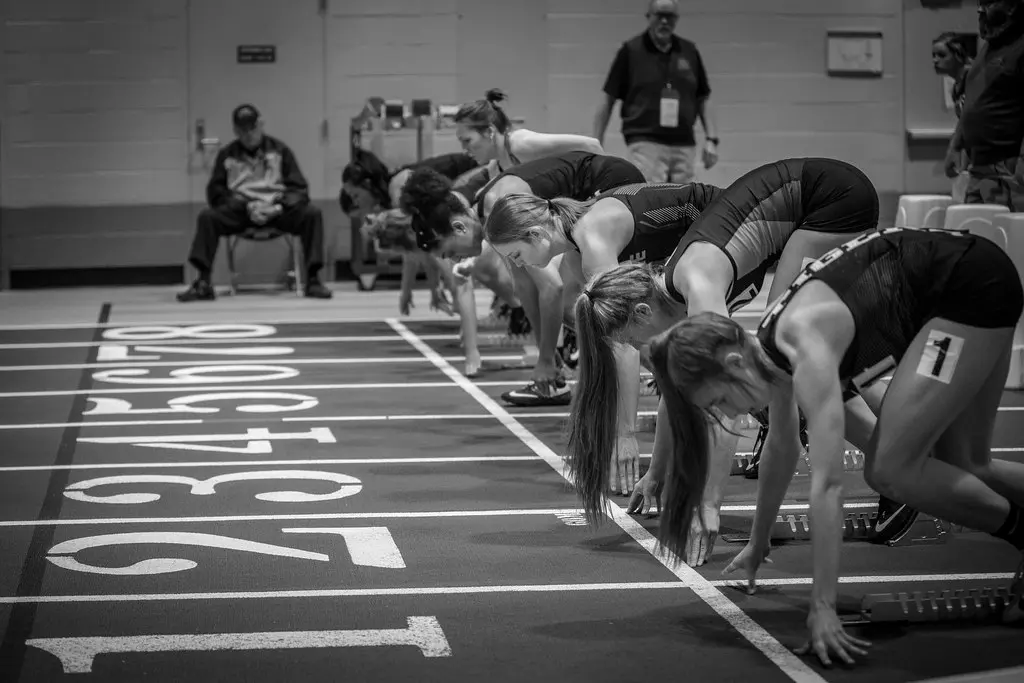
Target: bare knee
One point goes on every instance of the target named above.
(891, 476)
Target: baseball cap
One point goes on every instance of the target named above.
(245, 116)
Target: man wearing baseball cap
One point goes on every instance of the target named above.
(256, 181)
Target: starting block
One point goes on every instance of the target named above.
(503, 340)
(857, 526)
(853, 461)
(971, 604)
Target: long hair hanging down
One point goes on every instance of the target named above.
(682, 359)
(514, 216)
(603, 310)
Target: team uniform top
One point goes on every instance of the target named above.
(893, 282)
(662, 214)
(755, 216)
(576, 175)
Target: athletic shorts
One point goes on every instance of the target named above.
(609, 172)
(983, 290)
(837, 198)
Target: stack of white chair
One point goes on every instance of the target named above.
(922, 210)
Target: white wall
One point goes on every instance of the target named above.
(94, 98)
(95, 102)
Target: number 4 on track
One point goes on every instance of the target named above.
(258, 440)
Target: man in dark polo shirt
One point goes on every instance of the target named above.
(991, 127)
(661, 81)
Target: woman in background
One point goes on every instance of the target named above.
(952, 56)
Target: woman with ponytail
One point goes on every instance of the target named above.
(487, 135)
(877, 305)
(781, 214)
(640, 223)
(450, 222)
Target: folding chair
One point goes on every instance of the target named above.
(258, 233)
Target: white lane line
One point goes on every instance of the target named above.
(352, 418)
(275, 463)
(886, 578)
(350, 592)
(270, 319)
(125, 423)
(348, 386)
(469, 590)
(779, 654)
(248, 361)
(265, 318)
(243, 341)
(292, 517)
(454, 416)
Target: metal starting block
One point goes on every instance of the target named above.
(853, 461)
(646, 422)
(504, 340)
(857, 526)
(970, 604)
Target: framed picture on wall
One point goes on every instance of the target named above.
(855, 52)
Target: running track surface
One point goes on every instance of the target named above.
(395, 522)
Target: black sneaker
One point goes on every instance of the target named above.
(569, 352)
(201, 290)
(518, 323)
(532, 395)
(316, 290)
(893, 520)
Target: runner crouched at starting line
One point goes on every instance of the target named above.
(936, 308)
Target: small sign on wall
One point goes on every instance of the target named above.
(257, 54)
(855, 53)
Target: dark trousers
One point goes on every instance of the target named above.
(305, 221)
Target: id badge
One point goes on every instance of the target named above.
(669, 108)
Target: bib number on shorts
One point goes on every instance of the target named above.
(669, 108)
(941, 353)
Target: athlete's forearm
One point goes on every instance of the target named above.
(627, 370)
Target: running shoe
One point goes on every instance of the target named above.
(569, 351)
(532, 394)
(893, 520)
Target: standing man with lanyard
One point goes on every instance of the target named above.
(661, 81)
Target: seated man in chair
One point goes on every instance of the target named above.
(256, 181)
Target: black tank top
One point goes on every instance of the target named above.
(662, 214)
(576, 175)
(891, 281)
(754, 218)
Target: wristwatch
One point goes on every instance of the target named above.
(710, 139)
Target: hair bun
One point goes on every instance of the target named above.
(495, 95)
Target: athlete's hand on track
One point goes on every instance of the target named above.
(405, 304)
(700, 543)
(749, 560)
(625, 466)
(646, 496)
(828, 635)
